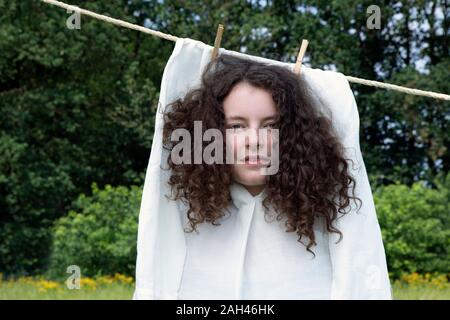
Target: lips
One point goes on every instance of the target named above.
(256, 160)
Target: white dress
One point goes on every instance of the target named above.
(248, 257)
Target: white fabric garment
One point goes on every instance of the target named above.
(168, 259)
(247, 257)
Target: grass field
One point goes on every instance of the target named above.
(107, 292)
(420, 293)
(119, 287)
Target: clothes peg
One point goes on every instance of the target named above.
(300, 56)
(215, 51)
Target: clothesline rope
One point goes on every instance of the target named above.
(170, 37)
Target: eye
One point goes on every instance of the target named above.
(235, 126)
(269, 125)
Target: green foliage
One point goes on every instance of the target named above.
(100, 236)
(406, 137)
(78, 106)
(415, 223)
(32, 188)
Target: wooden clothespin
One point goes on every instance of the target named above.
(215, 51)
(301, 54)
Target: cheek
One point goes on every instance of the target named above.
(266, 139)
(233, 145)
(269, 144)
(246, 176)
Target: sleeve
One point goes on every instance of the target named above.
(358, 259)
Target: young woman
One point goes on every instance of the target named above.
(258, 236)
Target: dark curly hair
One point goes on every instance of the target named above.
(313, 179)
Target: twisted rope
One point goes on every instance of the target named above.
(170, 37)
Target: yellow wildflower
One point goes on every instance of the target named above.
(88, 282)
(123, 279)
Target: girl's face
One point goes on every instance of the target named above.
(248, 109)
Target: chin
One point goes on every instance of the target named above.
(252, 178)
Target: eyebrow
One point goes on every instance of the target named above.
(242, 118)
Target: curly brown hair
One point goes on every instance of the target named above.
(313, 179)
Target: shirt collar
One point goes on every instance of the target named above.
(241, 196)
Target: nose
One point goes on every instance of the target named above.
(252, 140)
